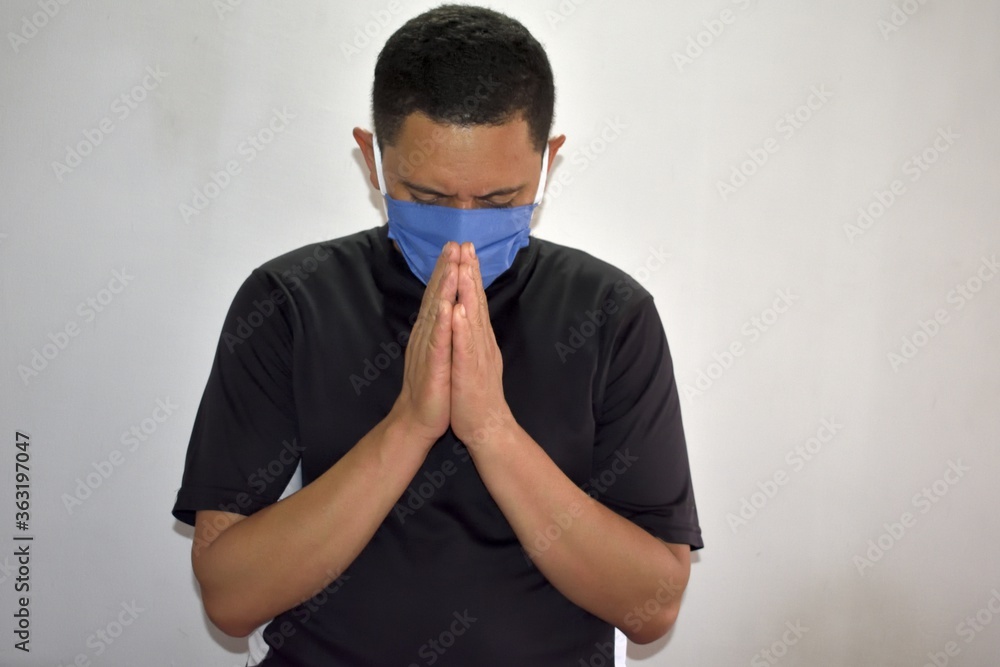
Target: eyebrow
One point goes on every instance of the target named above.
(430, 191)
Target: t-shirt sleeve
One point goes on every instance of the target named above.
(244, 443)
(641, 463)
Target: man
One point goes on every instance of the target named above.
(494, 469)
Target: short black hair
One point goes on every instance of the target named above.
(463, 65)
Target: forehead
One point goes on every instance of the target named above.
(480, 156)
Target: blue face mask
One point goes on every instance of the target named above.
(421, 230)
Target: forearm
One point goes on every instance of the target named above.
(287, 552)
(596, 558)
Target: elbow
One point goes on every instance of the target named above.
(235, 631)
(230, 624)
(225, 612)
(225, 599)
(653, 626)
(654, 618)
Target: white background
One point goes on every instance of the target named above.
(888, 88)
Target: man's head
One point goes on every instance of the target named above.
(463, 103)
(463, 65)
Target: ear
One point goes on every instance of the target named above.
(364, 139)
(554, 146)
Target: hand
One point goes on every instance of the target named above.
(424, 402)
(479, 410)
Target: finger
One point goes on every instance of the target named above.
(471, 347)
(449, 269)
(463, 341)
(439, 341)
(484, 304)
(447, 257)
(477, 276)
(468, 288)
(467, 284)
(479, 306)
(438, 308)
(428, 307)
(434, 290)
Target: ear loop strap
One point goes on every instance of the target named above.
(544, 176)
(378, 164)
(381, 177)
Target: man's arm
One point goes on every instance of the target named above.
(281, 556)
(601, 561)
(262, 565)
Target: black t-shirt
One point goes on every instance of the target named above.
(311, 358)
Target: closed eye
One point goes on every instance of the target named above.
(495, 199)
(506, 204)
(433, 201)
